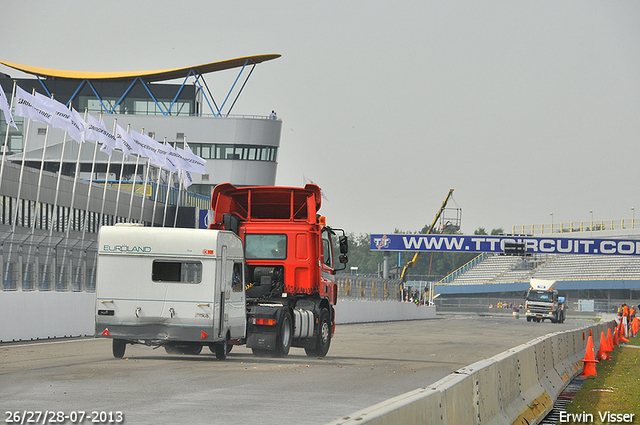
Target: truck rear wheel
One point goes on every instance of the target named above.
(285, 333)
(323, 340)
(118, 347)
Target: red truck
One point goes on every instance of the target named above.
(289, 265)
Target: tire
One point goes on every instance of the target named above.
(222, 349)
(323, 341)
(285, 335)
(118, 347)
(213, 348)
(528, 318)
(172, 349)
(192, 350)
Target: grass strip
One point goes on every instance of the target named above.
(615, 390)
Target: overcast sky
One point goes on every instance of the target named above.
(523, 107)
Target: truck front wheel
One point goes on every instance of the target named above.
(324, 336)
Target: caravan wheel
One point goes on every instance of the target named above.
(118, 347)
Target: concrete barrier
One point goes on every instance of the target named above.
(29, 315)
(348, 311)
(518, 386)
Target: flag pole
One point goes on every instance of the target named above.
(6, 136)
(144, 189)
(166, 202)
(155, 201)
(93, 168)
(180, 177)
(106, 175)
(4, 151)
(15, 215)
(71, 209)
(133, 188)
(155, 198)
(35, 214)
(124, 156)
(85, 222)
(24, 154)
(55, 207)
(175, 219)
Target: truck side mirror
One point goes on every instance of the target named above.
(344, 245)
(344, 259)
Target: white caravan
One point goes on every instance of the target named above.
(177, 288)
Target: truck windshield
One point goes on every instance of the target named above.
(265, 247)
(540, 296)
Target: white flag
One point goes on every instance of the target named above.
(192, 161)
(4, 105)
(77, 126)
(31, 107)
(187, 179)
(148, 148)
(64, 118)
(124, 141)
(169, 157)
(96, 131)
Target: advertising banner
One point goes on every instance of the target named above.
(496, 244)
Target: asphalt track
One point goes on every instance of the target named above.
(367, 363)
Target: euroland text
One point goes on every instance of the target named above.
(605, 417)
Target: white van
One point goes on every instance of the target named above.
(178, 288)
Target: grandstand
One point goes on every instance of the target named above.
(511, 269)
(607, 279)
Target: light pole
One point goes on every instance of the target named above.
(591, 212)
(633, 218)
(551, 214)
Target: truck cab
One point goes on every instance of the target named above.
(542, 302)
(291, 260)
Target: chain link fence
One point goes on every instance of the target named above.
(41, 263)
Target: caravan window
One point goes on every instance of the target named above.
(177, 271)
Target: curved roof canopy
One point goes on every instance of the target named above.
(158, 75)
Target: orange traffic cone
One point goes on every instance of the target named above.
(609, 340)
(603, 352)
(615, 337)
(589, 360)
(635, 325)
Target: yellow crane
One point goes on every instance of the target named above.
(412, 262)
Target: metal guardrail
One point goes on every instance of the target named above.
(368, 288)
(451, 276)
(576, 226)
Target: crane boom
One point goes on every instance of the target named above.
(412, 262)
